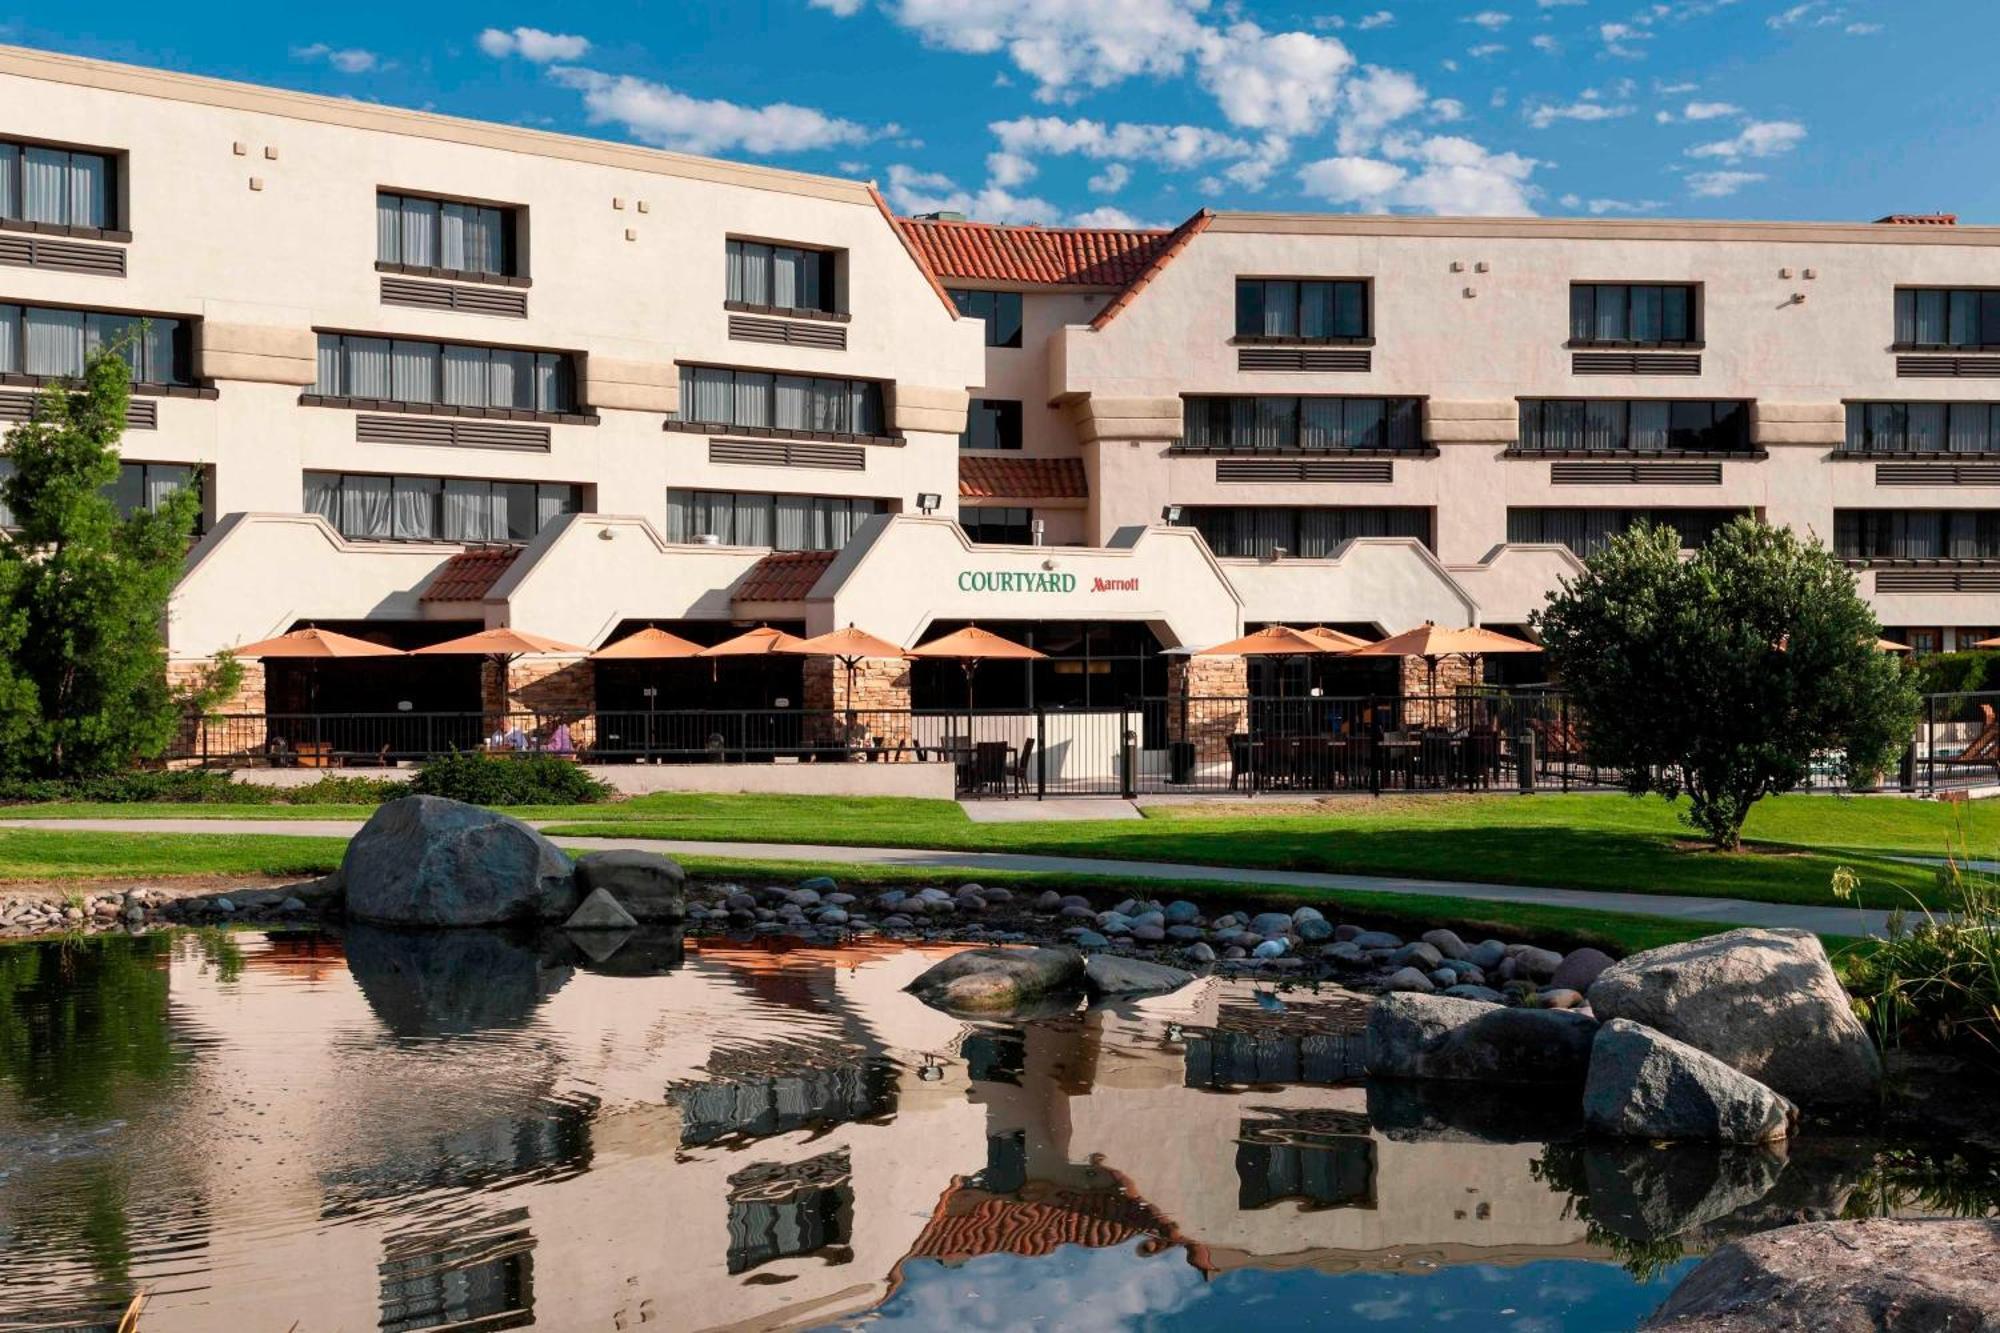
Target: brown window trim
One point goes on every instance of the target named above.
(580, 418)
(788, 312)
(1843, 454)
(1919, 562)
(1180, 449)
(1616, 455)
(1612, 345)
(1279, 340)
(1963, 349)
(60, 229)
(722, 430)
(453, 275)
(140, 388)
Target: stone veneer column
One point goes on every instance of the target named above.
(1207, 703)
(200, 736)
(881, 699)
(561, 690)
(1453, 674)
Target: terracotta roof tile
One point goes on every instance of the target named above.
(470, 575)
(1022, 478)
(782, 576)
(1919, 220)
(1037, 256)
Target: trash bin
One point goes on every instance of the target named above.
(1180, 761)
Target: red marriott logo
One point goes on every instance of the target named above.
(1114, 585)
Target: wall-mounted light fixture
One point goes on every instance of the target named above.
(1171, 514)
(928, 501)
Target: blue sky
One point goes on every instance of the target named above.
(1109, 112)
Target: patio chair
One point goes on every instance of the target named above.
(1984, 750)
(990, 769)
(1239, 757)
(1021, 765)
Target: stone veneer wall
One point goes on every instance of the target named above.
(881, 699)
(562, 690)
(209, 735)
(1216, 689)
(1426, 706)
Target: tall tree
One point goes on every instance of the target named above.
(1725, 676)
(83, 592)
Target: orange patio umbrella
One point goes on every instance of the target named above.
(1334, 638)
(648, 645)
(971, 646)
(850, 647)
(1273, 641)
(759, 642)
(502, 642)
(1431, 641)
(315, 644)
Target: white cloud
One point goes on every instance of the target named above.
(656, 114)
(1288, 81)
(348, 60)
(1444, 110)
(1111, 180)
(1711, 110)
(1485, 49)
(1759, 138)
(913, 191)
(1105, 215)
(1556, 4)
(1544, 114)
(1546, 44)
(1720, 184)
(1600, 207)
(1374, 102)
(1066, 46)
(1448, 174)
(1674, 89)
(1796, 14)
(1381, 18)
(533, 44)
(1009, 169)
(846, 9)
(1490, 19)
(1175, 146)
(1619, 39)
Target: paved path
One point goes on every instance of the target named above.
(1726, 911)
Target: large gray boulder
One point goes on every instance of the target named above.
(1436, 1037)
(428, 861)
(649, 886)
(1880, 1275)
(1108, 975)
(1645, 1085)
(1764, 1002)
(996, 980)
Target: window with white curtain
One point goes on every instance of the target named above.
(62, 187)
(1588, 531)
(452, 509)
(418, 231)
(456, 374)
(1941, 317)
(759, 518)
(1302, 309)
(1633, 314)
(1614, 425)
(1917, 534)
(49, 340)
(1274, 423)
(759, 399)
(1258, 531)
(1903, 428)
(782, 277)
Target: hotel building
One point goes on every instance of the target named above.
(433, 375)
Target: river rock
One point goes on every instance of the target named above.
(1764, 1002)
(1418, 955)
(1878, 1274)
(1409, 979)
(1580, 968)
(1109, 975)
(1645, 1085)
(1468, 991)
(1446, 942)
(1181, 912)
(649, 886)
(1536, 964)
(1486, 955)
(1377, 939)
(989, 980)
(429, 861)
(1435, 1037)
(599, 911)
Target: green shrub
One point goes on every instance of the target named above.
(340, 789)
(528, 779)
(191, 786)
(1957, 673)
(1935, 981)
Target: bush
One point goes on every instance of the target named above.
(199, 786)
(529, 779)
(1935, 981)
(1957, 673)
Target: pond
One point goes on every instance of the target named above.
(376, 1130)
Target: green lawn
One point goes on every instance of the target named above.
(31, 855)
(1583, 841)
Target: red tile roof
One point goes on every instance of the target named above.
(782, 576)
(1920, 220)
(1022, 478)
(470, 575)
(1034, 256)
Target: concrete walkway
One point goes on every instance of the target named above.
(1723, 911)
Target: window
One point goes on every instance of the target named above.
(1297, 310)
(999, 526)
(1310, 425)
(60, 187)
(1588, 531)
(415, 231)
(1247, 531)
(755, 518)
(1607, 425)
(48, 340)
(1916, 534)
(992, 423)
(1618, 314)
(1947, 317)
(1923, 428)
(1000, 310)
(385, 508)
(766, 401)
(783, 277)
(398, 370)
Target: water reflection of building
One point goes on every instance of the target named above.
(770, 1138)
